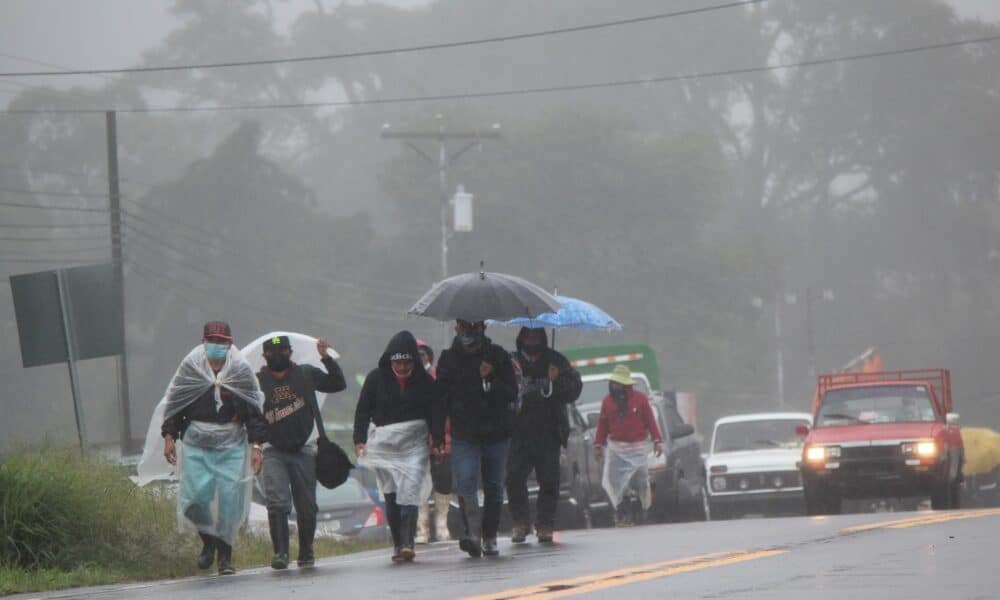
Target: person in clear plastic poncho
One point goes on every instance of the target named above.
(625, 426)
(211, 410)
(401, 400)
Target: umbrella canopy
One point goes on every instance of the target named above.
(574, 314)
(480, 296)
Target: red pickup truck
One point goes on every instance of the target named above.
(881, 435)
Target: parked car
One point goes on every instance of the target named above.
(676, 477)
(346, 511)
(752, 465)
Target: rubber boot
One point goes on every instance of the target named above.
(278, 523)
(423, 524)
(491, 523)
(307, 531)
(407, 533)
(442, 503)
(472, 518)
(207, 556)
(225, 558)
(392, 517)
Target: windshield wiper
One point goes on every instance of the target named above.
(769, 443)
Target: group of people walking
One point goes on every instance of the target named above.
(482, 418)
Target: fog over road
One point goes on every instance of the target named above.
(887, 555)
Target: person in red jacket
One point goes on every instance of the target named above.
(625, 426)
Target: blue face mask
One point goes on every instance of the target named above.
(216, 351)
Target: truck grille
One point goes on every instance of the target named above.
(749, 482)
(869, 452)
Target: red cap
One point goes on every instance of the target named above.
(218, 329)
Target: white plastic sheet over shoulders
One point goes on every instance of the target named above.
(192, 379)
(399, 455)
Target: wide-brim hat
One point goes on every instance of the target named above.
(622, 375)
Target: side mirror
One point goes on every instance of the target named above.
(802, 430)
(592, 420)
(951, 418)
(682, 431)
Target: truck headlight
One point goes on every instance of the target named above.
(815, 454)
(719, 484)
(925, 449)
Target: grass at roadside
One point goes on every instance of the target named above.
(68, 521)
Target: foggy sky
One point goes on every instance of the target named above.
(115, 33)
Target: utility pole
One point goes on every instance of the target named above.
(115, 212)
(780, 358)
(472, 139)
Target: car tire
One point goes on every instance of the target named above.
(945, 497)
(820, 501)
(582, 517)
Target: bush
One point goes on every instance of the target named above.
(61, 510)
(70, 520)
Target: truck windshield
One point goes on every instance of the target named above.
(876, 404)
(757, 435)
(595, 391)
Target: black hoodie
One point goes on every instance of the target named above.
(540, 418)
(477, 415)
(383, 402)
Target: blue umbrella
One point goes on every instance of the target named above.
(574, 314)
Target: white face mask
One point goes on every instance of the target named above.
(428, 367)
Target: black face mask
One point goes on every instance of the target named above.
(471, 340)
(278, 362)
(619, 394)
(532, 351)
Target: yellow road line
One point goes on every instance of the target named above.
(600, 581)
(920, 521)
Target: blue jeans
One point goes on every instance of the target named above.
(469, 462)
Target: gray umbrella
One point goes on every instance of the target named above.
(480, 296)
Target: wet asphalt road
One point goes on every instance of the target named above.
(889, 555)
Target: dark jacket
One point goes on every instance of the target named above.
(384, 402)
(539, 418)
(233, 409)
(287, 401)
(477, 415)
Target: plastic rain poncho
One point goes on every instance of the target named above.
(213, 464)
(399, 455)
(624, 461)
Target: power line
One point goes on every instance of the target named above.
(397, 50)
(33, 226)
(42, 207)
(44, 193)
(182, 263)
(238, 301)
(69, 261)
(520, 91)
(54, 239)
(43, 63)
(350, 285)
